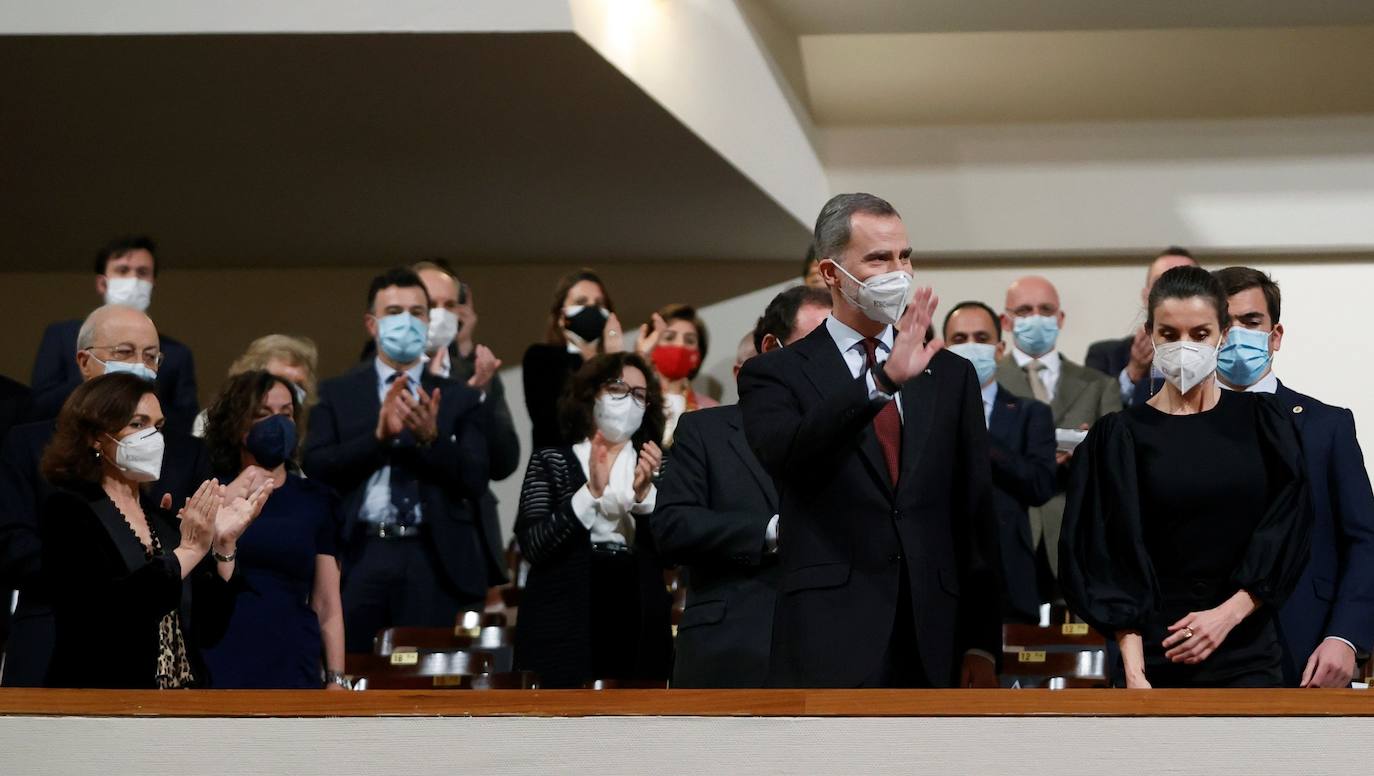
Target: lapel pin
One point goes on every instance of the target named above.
(1297, 410)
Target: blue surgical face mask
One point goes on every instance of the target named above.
(137, 368)
(402, 337)
(1035, 335)
(271, 441)
(983, 356)
(1245, 357)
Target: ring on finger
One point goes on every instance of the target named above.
(1187, 633)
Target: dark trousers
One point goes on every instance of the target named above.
(28, 651)
(396, 582)
(615, 616)
(901, 663)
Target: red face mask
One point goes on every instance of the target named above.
(676, 362)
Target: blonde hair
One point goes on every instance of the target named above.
(296, 351)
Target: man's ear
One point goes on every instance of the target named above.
(102, 285)
(828, 269)
(370, 323)
(87, 366)
(1278, 338)
(1001, 349)
(770, 342)
(1007, 324)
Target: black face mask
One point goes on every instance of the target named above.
(587, 323)
(272, 441)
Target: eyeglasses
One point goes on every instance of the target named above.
(619, 389)
(152, 357)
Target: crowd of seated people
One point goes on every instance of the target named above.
(911, 492)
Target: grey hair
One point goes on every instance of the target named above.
(85, 337)
(832, 225)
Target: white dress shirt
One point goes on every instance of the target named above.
(610, 518)
(989, 398)
(1049, 376)
(377, 506)
(851, 345)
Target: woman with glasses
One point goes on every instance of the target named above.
(595, 606)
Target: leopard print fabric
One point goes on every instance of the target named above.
(173, 666)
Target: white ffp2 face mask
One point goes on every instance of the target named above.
(139, 455)
(882, 298)
(129, 292)
(1185, 364)
(443, 327)
(617, 418)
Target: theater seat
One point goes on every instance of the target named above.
(1037, 668)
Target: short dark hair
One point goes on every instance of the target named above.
(231, 414)
(400, 277)
(1237, 279)
(553, 335)
(996, 321)
(101, 405)
(688, 313)
(576, 405)
(833, 224)
(780, 316)
(1175, 250)
(809, 260)
(1187, 282)
(120, 247)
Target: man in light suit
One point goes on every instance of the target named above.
(1129, 360)
(876, 442)
(1021, 439)
(717, 518)
(1330, 615)
(1077, 396)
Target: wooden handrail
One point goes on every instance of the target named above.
(691, 703)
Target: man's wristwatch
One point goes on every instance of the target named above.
(884, 382)
(224, 558)
(334, 677)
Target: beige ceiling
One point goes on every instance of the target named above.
(832, 17)
(359, 150)
(930, 62)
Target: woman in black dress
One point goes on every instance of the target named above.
(595, 606)
(287, 630)
(582, 323)
(124, 574)
(1187, 519)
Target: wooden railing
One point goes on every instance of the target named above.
(691, 703)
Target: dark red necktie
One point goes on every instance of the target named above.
(887, 424)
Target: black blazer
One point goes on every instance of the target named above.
(546, 369)
(23, 491)
(1335, 595)
(553, 634)
(342, 451)
(55, 376)
(14, 407)
(845, 531)
(503, 453)
(1110, 357)
(1021, 438)
(714, 504)
(108, 597)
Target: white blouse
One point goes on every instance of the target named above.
(611, 517)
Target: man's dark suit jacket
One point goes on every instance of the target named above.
(342, 451)
(23, 491)
(55, 376)
(1110, 357)
(1335, 596)
(1021, 437)
(503, 452)
(845, 532)
(714, 505)
(14, 407)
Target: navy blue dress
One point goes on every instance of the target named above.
(273, 639)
